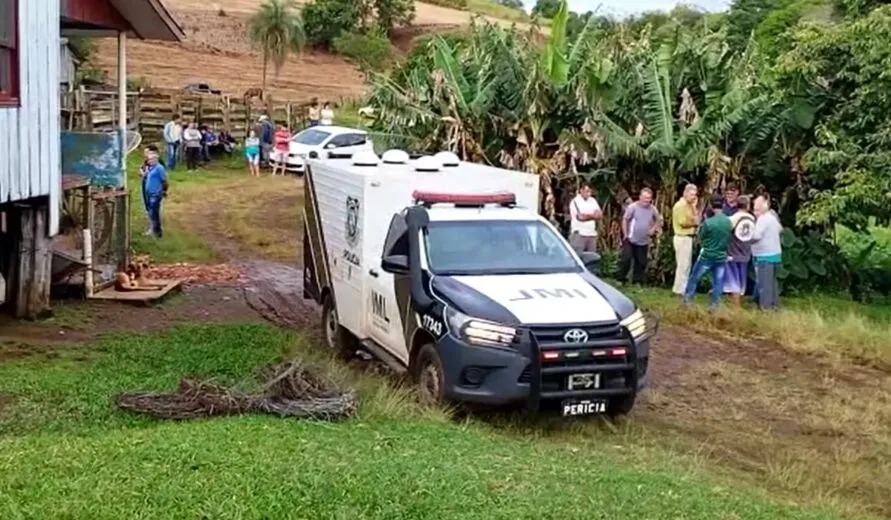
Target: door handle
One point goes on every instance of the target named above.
(373, 273)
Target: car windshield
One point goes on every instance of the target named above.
(311, 137)
(496, 247)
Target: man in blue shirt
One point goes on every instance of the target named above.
(155, 191)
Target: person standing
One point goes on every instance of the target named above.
(739, 252)
(156, 190)
(714, 237)
(315, 115)
(192, 140)
(684, 219)
(584, 212)
(282, 147)
(327, 114)
(731, 199)
(143, 175)
(639, 224)
(767, 252)
(266, 139)
(172, 135)
(252, 153)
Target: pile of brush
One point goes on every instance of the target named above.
(290, 390)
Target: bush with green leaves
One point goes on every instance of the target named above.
(325, 20)
(370, 50)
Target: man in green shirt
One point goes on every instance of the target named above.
(714, 238)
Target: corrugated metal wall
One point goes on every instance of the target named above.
(30, 150)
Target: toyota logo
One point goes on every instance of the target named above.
(575, 336)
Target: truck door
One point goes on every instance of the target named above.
(385, 309)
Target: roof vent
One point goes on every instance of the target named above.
(448, 159)
(365, 158)
(427, 163)
(395, 157)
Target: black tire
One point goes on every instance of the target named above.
(620, 406)
(428, 374)
(337, 339)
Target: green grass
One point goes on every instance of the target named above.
(820, 324)
(65, 452)
(178, 244)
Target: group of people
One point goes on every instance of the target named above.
(730, 238)
(193, 139)
(269, 146)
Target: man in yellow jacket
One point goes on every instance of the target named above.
(684, 220)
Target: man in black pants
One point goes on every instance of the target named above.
(639, 224)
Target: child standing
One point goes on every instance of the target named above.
(252, 152)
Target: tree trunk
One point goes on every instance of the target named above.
(265, 62)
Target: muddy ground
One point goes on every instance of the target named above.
(813, 428)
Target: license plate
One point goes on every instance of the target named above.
(583, 407)
(583, 382)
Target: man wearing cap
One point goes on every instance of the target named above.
(265, 131)
(714, 237)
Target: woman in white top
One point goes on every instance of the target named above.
(327, 114)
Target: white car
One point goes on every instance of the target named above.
(318, 142)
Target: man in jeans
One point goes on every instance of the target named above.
(640, 222)
(767, 251)
(584, 212)
(155, 190)
(684, 219)
(714, 238)
(172, 135)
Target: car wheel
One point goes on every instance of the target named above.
(429, 376)
(620, 406)
(337, 339)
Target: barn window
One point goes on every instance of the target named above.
(9, 52)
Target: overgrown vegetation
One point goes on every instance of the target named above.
(665, 99)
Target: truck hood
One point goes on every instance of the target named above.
(540, 299)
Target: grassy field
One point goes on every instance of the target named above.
(222, 203)
(757, 411)
(65, 452)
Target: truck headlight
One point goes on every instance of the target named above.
(636, 323)
(479, 332)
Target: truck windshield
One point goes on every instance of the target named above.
(496, 247)
(311, 137)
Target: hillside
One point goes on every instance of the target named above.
(217, 52)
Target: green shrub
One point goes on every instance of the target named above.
(325, 20)
(454, 4)
(371, 51)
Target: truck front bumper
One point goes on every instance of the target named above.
(521, 374)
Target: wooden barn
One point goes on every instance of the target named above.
(31, 154)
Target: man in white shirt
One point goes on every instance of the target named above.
(584, 212)
(172, 136)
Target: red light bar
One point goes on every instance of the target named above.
(617, 352)
(429, 197)
(550, 356)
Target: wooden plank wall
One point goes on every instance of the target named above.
(149, 110)
(30, 159)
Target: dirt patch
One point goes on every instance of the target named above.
(807, 425)
(212, 304)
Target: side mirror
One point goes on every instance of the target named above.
(330, 146)
(590, 259)
(395, 264)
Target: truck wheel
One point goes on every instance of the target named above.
(621, 405)
(429, 376)
(337, 338)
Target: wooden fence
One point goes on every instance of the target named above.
(148, 110)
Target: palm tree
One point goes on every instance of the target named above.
(277, 30)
